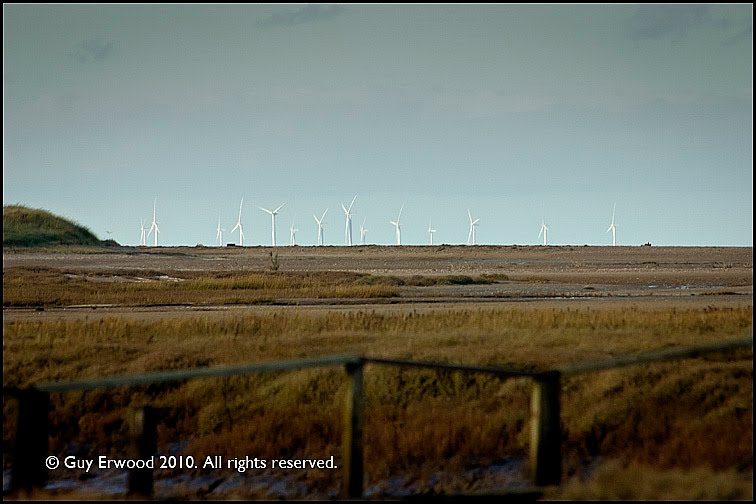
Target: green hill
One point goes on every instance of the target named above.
(31, 227)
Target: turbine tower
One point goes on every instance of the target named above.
(473, 225)
(273, 214)
(430, 232)
(143, 237)
(613, 228)
(348, 228)
(363, 231)
(544, 231)
(320, 226)
(292, 233)
(154, 226)
(398, 227)
(219, 233)
(239, 225)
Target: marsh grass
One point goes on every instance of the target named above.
(680, 415)
(40, 287)
(615, 480)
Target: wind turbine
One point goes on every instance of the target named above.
(239, 225)
(398, 227)
(154, 226)
(143, 237)
(219, 233)
(320, 226)
(293, 233)
(613, 228)
(348, 228)
(363, 231)
(273, 214)
(473, 225)
(544, 231)
(430, 232)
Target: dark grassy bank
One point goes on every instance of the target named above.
(25, 227)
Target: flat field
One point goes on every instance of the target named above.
(683, 429)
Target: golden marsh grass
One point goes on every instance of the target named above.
(682, 427)
(668, 415)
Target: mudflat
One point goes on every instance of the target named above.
(532, 276)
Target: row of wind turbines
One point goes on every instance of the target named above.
(471, 235)
(348, 240)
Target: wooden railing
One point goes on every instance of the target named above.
(30, 450)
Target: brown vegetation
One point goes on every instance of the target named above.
(672, 424)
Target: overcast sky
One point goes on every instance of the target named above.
(516, 112)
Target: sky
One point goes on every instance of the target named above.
(517, 113)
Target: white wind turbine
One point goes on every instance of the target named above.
(473, 225)
(219, 233)
(293, 233)
(239, 225)
(154, 226)
(430, 232)
(273, 214)
(348, 228)
(320, 226)
(544, 231)
(613, 228)
(143, 237)
(363, 231)
(398, 227)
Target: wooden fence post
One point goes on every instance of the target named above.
(545, 430)
(351, 443)
(143, 430)
(30, 451)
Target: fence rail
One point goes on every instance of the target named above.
(655, 356)
(30, 448)
(196, 373)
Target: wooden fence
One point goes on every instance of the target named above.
(30, 449)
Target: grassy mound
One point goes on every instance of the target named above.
(31, 227)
